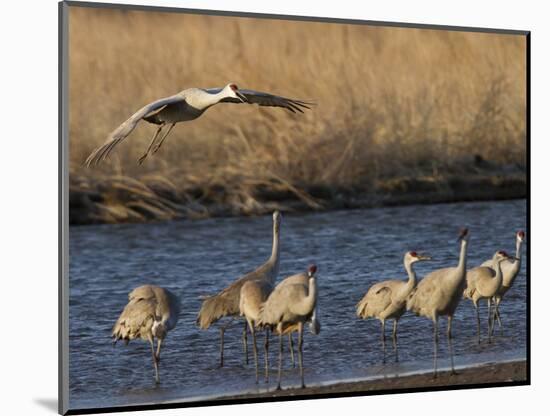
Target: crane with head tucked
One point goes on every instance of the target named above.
(484, 282)
(150, 313)
(439, 294)
(187, 105)
(227, 301)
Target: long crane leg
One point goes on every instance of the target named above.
(222, 331)
(161, 141)
(300, 351)
(394, 339)
(253, 331)
(266, 354)
(280, 359)
(291, 348)
(436, 344)
(489, 319)
(245, 344)
(142, 158)
(159, 344)
(478, 324)
(450, 343)
(155, 361)
(497, 313)
(383, 341)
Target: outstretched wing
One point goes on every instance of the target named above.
(266, 99)
(122, 131)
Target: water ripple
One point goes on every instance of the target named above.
(353, 249)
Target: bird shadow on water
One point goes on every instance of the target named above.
(49, 403)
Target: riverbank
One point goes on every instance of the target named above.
(494, 373)
(124, 199)
(405, 132)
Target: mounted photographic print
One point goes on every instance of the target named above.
(260, 207)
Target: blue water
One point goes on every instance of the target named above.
(352, 248)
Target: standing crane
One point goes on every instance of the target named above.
(484, 282)
(510, 270)
(150, 313)
(387, 299)
(289, 329)
(187, 105)
(253, 294)
(288, 305)
(226, 302)
(439, 294)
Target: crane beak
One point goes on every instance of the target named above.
(424, 258)
(241, 97)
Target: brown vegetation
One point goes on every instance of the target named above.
(393, 104)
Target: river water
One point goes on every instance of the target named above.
(352, 248)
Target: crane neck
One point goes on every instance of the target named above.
(518, 253)
(511, 274)
(411, 283)
(462, 258)
(497, 280)
(310, 302)
(275, 250)
(208, 100)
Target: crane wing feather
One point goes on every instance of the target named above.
(146, 304)
(376, 300)
(137, 315)
(226, 302)
(122, 131)
(267, 100)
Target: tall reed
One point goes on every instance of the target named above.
(390, 101)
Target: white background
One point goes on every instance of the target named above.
(28, 171)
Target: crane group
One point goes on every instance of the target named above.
(286, 307)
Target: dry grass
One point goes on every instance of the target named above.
(391, 102)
